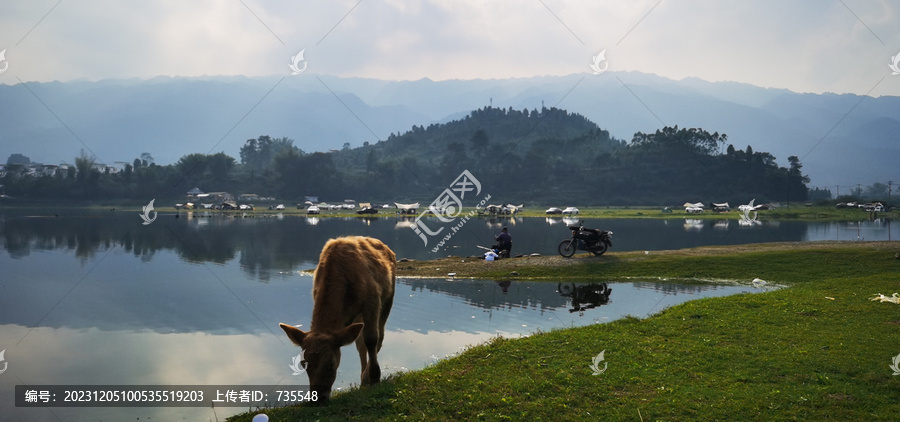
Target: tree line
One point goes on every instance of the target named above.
(547, 156)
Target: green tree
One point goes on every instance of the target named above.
(876, 191)
(672, 139)
(249, 154)
(18, 159)
(371, 162)
(192, 166)
(291, 175)
(479, 140)
(86, 175)
(220, 165)
(126, 174)
(454, 160)
(259, 153)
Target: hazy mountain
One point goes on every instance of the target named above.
(841, 139)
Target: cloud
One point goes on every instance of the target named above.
(802, 45)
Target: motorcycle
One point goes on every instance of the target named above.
(594, 241)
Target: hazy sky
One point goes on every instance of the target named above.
(802, 45)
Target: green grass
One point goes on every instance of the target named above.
(790, 354)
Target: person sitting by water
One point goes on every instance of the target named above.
(504, 243)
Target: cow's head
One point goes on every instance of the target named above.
(322, 354)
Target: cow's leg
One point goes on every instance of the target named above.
(385, 312)
(361, 348)
(372, 372)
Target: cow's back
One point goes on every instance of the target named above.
(353, 272)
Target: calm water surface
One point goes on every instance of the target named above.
(101, 299)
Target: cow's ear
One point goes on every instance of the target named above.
(295, 334)
(349, 333)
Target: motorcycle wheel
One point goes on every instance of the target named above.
(566, 248)
(600, 249)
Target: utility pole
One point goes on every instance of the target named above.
(890, 188)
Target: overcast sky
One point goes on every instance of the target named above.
(804, 45)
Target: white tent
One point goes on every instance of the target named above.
(407, 208)
(413, 207)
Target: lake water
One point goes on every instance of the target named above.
(101, 299)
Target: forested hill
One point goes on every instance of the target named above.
(494, 144)
(552, 156)
(534, 157)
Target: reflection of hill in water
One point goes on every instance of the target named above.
(169, 295)
(531, 295)
(266, 245)
(263, 245)
(488, 294)
(675, 289)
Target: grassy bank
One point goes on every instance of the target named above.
(819, 350)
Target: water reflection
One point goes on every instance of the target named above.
(95, 357)
(196, 297)
(176, 320)
(693, 224)
(431, 319)
(266, 245)
(721, 224)
(586, 296)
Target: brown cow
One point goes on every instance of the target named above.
(353, 291)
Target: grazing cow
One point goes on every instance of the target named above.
(353, 291)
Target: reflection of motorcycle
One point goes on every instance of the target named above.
(587, 296)
(592, 240)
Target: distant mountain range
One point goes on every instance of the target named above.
(840, 139)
